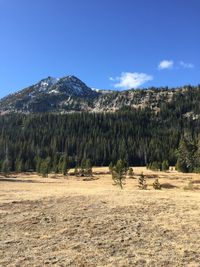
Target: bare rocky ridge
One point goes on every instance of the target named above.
(69, 94)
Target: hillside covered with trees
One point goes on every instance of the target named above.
(139, 136)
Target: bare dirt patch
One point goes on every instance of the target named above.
(71, 222)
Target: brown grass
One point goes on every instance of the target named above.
(59, 221)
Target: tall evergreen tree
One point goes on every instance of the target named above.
(65, 165)
(186, 154)
(119, 173)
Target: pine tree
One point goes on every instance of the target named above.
(88, 167)
(45, 167)
(155, 166)
(82, 169)
(76, 171)
(6, 168)
(130, 172)
(110, 167)
(186, 154)
(18, 165)
(197, 156)
(165, 165)
(119, 173)
(142, 182)
(60, 165)
(38, 164)
(65, 165)
(56, 163)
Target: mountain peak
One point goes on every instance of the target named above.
(49, 94)
(74, 85)
(47, 82)
(72, 78)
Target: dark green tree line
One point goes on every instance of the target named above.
(139, 137)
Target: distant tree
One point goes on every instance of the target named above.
(165, 165)
(110, 167)
(56, 163)
(119, 173)
(65, 165)
(197, 156)
(18, 165)
(6, 168)
(83, 165)
(60, 165)
(142, 182)
(130, 172)
(45, 167)
(76, 171)
(181, 166)
(86, 167)
(156, 184)
(186, 154)
(38, 164)
(155, 166)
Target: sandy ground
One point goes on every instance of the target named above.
(60, 221)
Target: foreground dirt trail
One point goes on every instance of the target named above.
(99, 227)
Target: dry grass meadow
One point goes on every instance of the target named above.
(60, 221)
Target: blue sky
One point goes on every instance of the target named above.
(106, 43)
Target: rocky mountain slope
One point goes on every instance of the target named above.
(50, 94)
(69, 94)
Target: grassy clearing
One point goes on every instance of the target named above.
(59, 221)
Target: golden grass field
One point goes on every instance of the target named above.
(59, 221)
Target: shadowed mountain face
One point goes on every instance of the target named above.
(69, 94)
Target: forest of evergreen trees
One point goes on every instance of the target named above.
(140, 137)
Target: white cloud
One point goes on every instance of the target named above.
(166, 64)
(129, 80)
(186, 65)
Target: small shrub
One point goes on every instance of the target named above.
(130, 172)
(156, 184)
